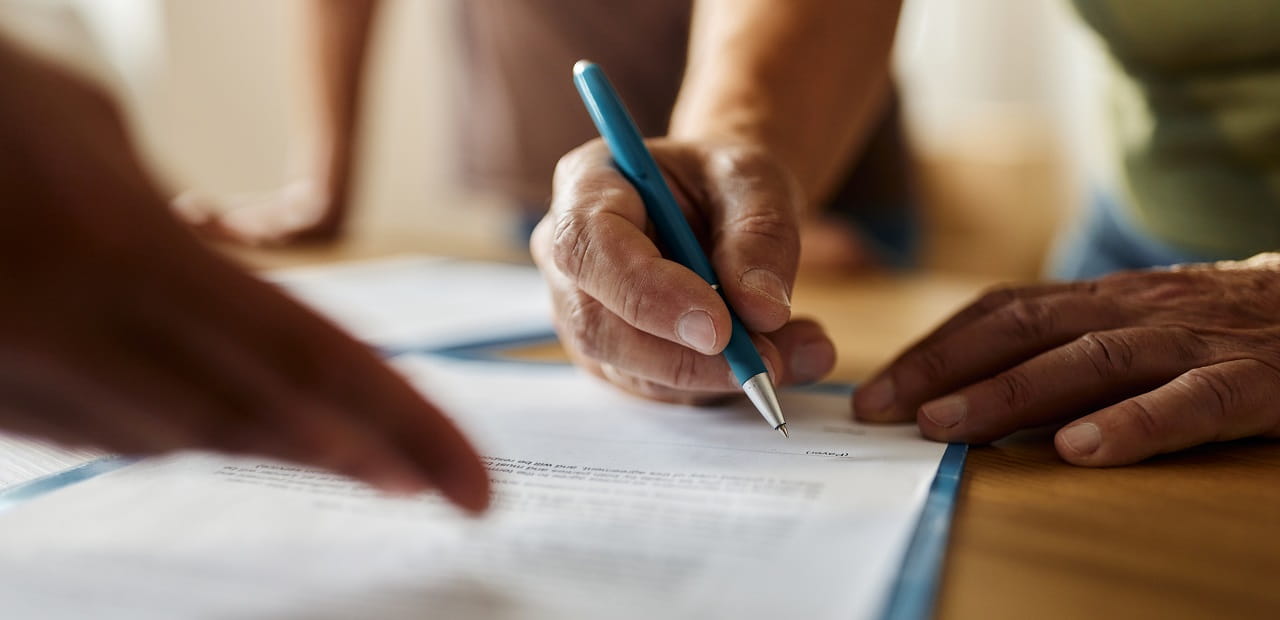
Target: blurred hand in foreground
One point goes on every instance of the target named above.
(650, 325)
(1136, 364)
(120, 331)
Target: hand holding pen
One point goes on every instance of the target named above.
(651, 325)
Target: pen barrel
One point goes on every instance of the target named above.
(681, 245)
(675, 236)
(743, 357)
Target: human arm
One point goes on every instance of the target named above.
(747, 152)
(119, 330)
(805, 81)
(315, 203)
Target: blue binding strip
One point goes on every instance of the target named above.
(482, 350)
(17, 494)
(915, 591)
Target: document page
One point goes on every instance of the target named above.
(424, 301)
(605, 506)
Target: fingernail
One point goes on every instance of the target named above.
(766, 283)
(1083, 439)
(946, 412)
(696, 330)
(811, 361)
(878, 396)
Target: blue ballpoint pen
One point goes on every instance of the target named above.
(637, 165)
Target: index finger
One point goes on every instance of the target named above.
(988, 344)
(283, 363)
(598, 242)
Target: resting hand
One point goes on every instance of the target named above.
(298, 212)
(650, 325)
(1136, 364)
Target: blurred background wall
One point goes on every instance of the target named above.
(1001, 100)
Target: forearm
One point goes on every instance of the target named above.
(806, 79)
(336, 40)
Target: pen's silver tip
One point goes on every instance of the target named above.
(760, 391)
(782, 428)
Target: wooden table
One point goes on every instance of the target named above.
(1194, 535)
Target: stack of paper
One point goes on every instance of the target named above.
(605, 507)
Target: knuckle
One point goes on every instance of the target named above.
(662, 393)
(567, 166)
(1185, 345)
(771, 226)
(1140, 419)
(541, 243)
(584, 320)
(752, 170)
(633, 298)
(571, 243)
(1028, 320)
(1013, 389)
(932, 365)
(1110, 354)
(585, 228)
(1213, 394)
(1166, 288)
(740, 160)
(683, 370)
(996, 298)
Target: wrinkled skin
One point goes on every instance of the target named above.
(1135, 364)
(650, 325)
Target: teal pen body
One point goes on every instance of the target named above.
(638, 166)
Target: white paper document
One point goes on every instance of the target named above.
(605, 507)
(424, 301)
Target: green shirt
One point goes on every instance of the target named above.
(1195, 107)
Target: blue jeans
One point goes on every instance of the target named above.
(1106, 241)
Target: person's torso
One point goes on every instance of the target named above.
(522, 112)
(1196, 113)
